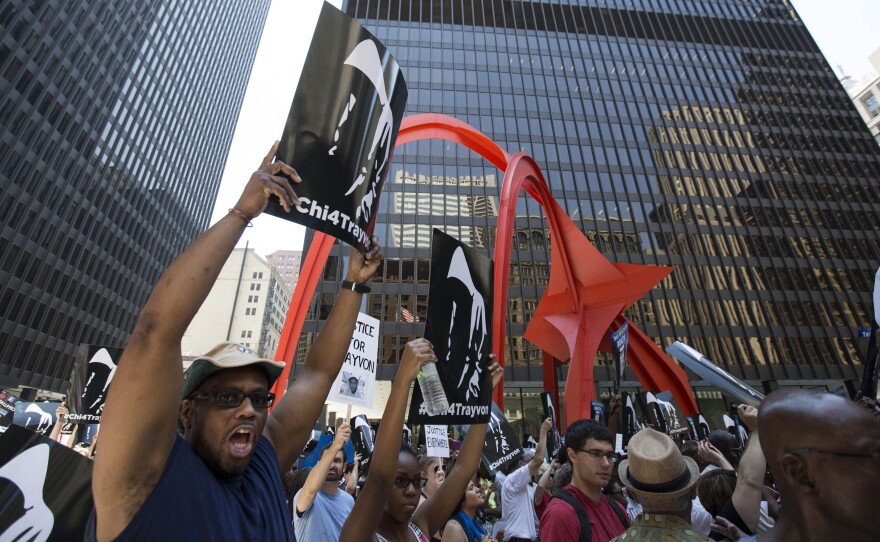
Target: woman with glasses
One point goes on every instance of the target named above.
(386, 507)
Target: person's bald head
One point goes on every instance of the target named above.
(818, 447)
(794, 418)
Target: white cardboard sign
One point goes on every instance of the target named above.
(436, 440)
(356, 381)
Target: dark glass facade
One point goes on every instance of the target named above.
(711, 136)
(117, 118)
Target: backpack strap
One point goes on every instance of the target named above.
(586, 529)
(618, 511)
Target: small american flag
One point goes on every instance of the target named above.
(407, 316)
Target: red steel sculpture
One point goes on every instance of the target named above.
(582, 304)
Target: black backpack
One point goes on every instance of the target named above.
(584, 518)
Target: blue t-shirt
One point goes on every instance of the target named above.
(323, 521)
(191, 503)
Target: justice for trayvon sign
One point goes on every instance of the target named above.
(341, 129)
(458, 326)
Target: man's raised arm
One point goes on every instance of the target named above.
(140, 414)
(291, 421)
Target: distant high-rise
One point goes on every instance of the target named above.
(287, 264)
(117, 119)
(708, 135)
(246, 305)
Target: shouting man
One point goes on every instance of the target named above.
(219, 478)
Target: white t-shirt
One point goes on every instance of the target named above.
(517, 506)
(701, 520)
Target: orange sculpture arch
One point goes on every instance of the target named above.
(583, 302)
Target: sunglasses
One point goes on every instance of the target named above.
(400, 482)
(233, 398)
(440, 467)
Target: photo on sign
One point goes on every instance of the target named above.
(341, 129)
(458, 324)
(352, 385)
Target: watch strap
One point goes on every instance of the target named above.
(355, 287)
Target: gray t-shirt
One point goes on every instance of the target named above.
(323, 521)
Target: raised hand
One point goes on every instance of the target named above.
(343, 435)
(495, 371)
(270, 179)
(362, 267)
(749, 416)
(416, 352)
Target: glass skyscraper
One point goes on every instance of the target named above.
(711, 136)
(117, 117)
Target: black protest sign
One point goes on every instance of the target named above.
(671, 413)
(90, 382)
(39, 417)
(500, 447)
(554, 441)
(341, 129)
(362, 436)
(655, 415)
(406, 436)
(702, 428)
(459, 326)
(629, 421)
(7, 409)
(45, 488)
(619, 341)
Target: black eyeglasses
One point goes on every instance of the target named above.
(418, 482)
(597, 455)
(233, 398)
(872, 455)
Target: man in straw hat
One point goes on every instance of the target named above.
(220, 477)
(663, 481)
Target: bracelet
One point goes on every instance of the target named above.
(355, 287)
(246, 218)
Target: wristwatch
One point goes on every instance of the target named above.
(355, 287)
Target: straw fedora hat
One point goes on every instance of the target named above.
(655, 466)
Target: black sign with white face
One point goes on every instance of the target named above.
(90, 382)
(362, 436)
(39, 417)
(501, 446)
(554, 441)
(341, 129)
(459, 326)
(630, 424)
(45, 488)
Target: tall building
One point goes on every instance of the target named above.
(865, 95)
(711, 136)
(246, 305)
(117, 119)
(287, 264)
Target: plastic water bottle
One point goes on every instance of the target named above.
(432, 389)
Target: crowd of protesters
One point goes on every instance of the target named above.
(202, 458)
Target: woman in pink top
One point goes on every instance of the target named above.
(386, 507)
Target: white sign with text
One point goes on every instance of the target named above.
(356, 381)
(436, 440)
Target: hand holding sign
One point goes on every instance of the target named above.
(362, 267)
(270, 179)
(343, 434)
